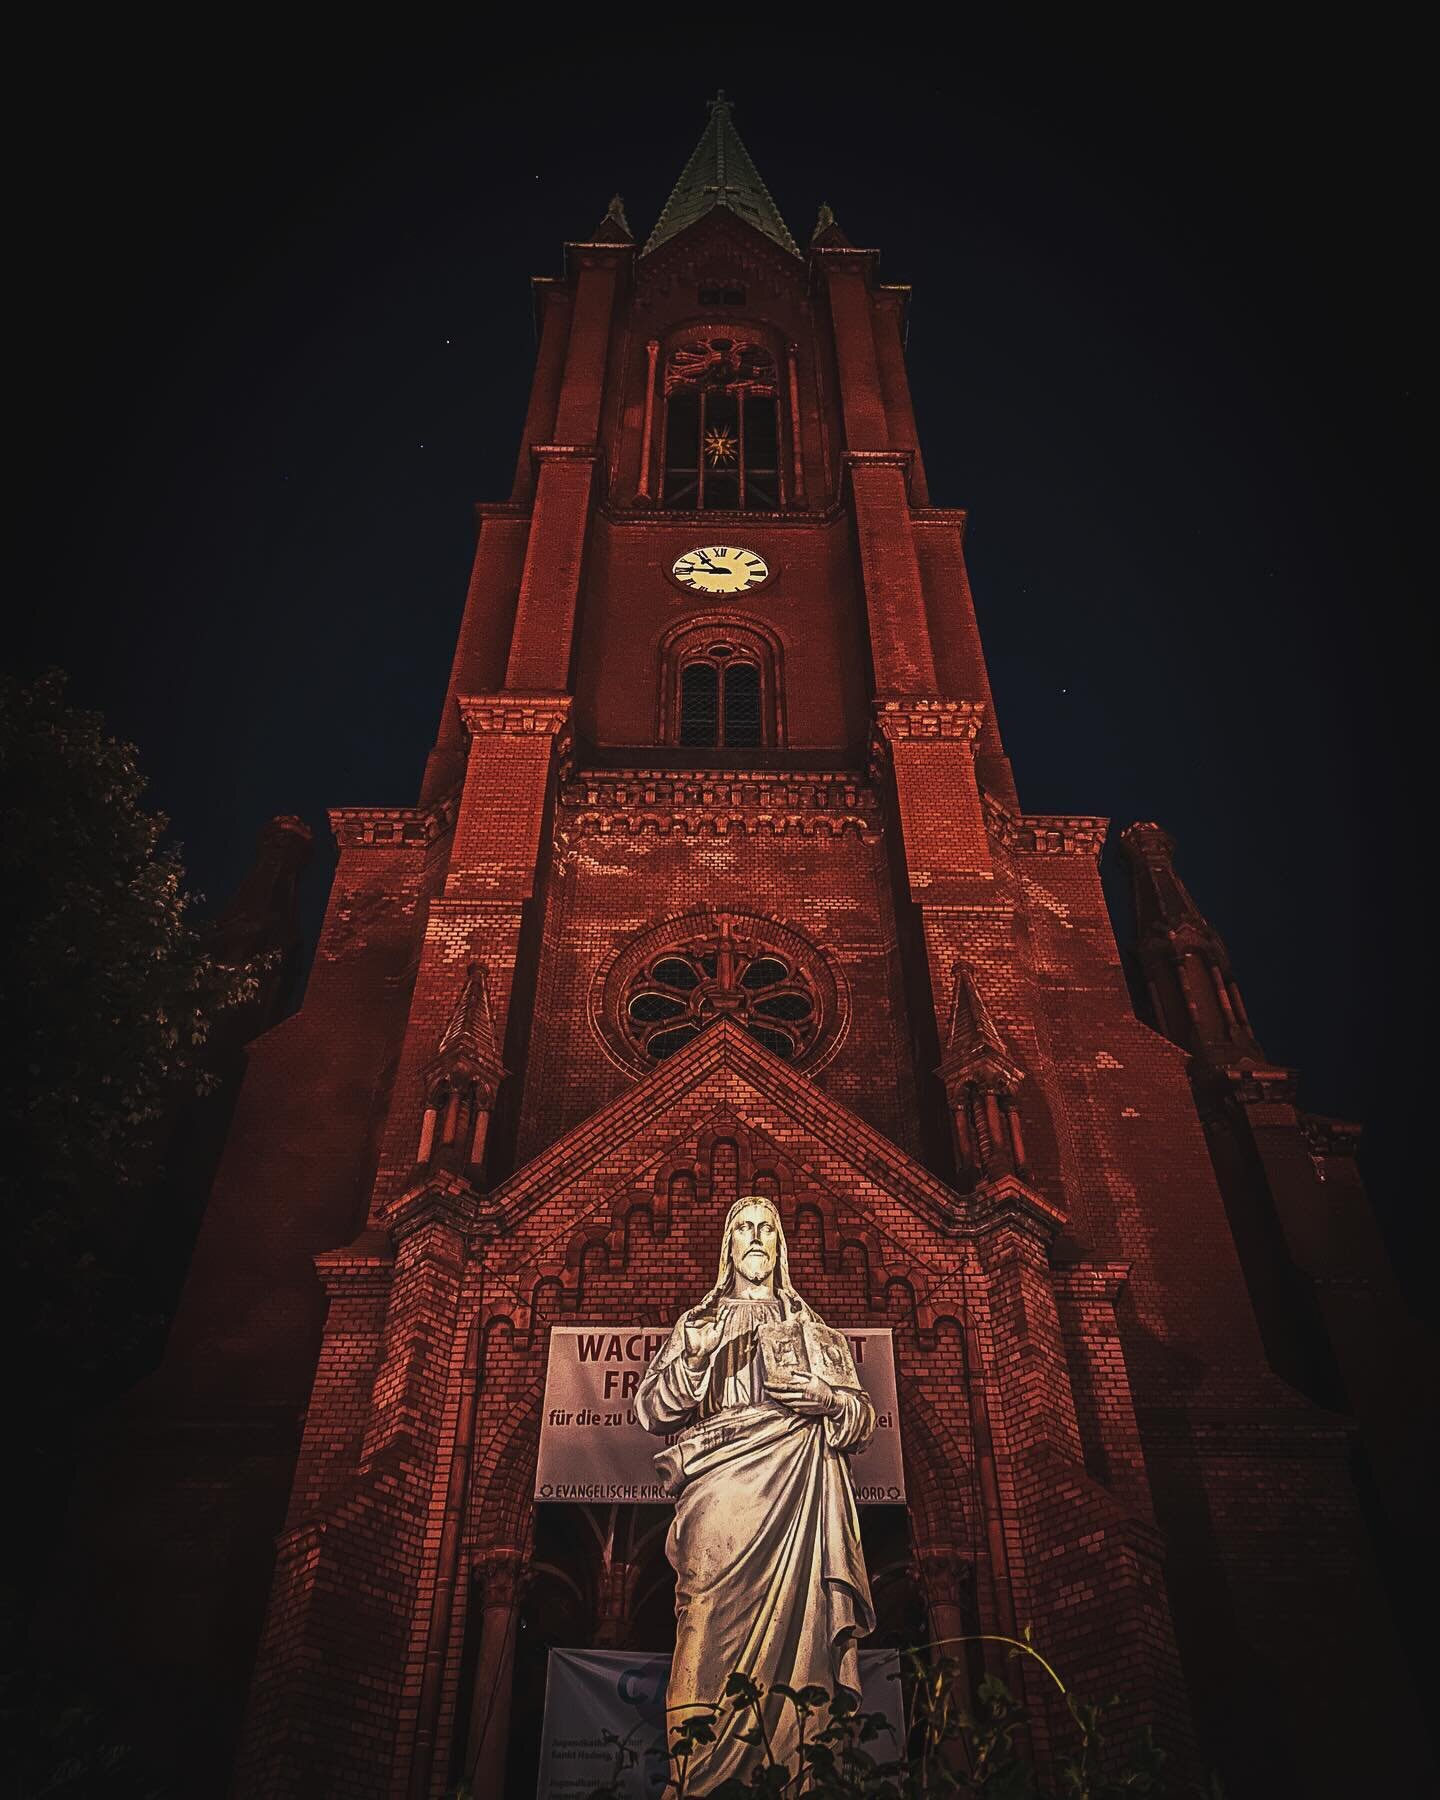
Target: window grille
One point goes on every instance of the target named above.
(720, 699)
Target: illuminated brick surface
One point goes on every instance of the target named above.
(1096, 1441)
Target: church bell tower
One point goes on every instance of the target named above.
(718, 882)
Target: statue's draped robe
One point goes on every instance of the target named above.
(769, 1576)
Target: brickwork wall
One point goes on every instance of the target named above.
(828, 884)
(616, 1223)
(1084, 1555)
(500, 822)
(177, 1511)
(852, 317)
(357, 1281)
(810, 602)
(959, 656)
(306, 1126)
(1144, 1187)
(989, 937)
(889, 326)
(483, 646)
(541, 646)
(648, 1249)
(554, 305)
(577, 414)
(1234, 1456)
(1090, 1424)
(1274, 1589)
(324, 1705)
(1085, 1296)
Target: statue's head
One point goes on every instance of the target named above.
(753, 1245)
(754, 1231)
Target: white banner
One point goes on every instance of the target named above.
(592, 1448)
(589, 1692)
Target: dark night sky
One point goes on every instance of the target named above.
(1167, 302)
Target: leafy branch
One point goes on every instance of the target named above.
(954, 1746)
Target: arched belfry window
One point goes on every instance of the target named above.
(721, 687)
(722, 426)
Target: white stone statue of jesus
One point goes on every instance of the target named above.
(769, 1575)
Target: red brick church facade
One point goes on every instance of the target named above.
(719, 891)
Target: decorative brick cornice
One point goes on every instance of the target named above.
(687, 802)
(531, 715)
(792, 517)
(901, 719)
(1045, 834)
(841, 254)
(393, 827)
(564, 453)
(1253, 1083)
(956, 517)
(1330, 1137)
(601, 246)
(719, 824)
(879, 459)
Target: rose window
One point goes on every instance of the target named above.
(677, 992)
(659, 990)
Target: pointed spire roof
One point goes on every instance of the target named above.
(1163, 904)
(720, 173)
(974, 1049)
(827, 234)
(1171, 929)
(614, 228)
(467, 1045)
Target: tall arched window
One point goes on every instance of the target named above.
(721, 687)
(722, 427)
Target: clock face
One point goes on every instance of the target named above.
(722, 569)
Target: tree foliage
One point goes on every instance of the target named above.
(108, 993)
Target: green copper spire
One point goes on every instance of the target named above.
(720, 173)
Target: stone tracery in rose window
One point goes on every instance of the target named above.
(665, 988)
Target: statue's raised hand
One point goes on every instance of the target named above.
(808, 1394)
(702, 1336)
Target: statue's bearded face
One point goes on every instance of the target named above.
(755, 1242)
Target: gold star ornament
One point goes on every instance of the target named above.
(720, 446)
